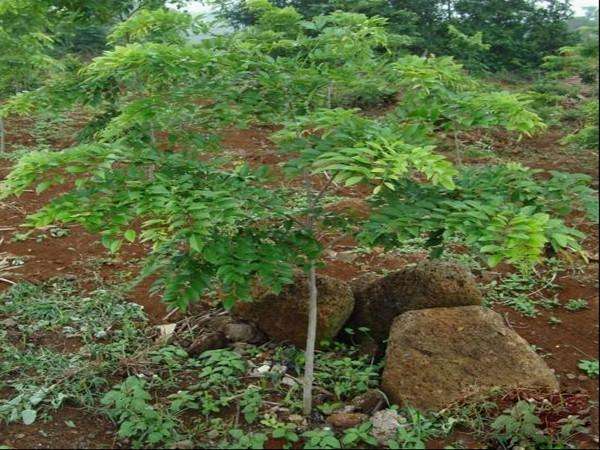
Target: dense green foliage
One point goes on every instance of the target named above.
(215, 224)
(517, 33)
(581, 61)
(34, 34)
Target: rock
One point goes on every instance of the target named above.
(279, 369)
(429, 284)
(363, 281)
(289, 381)
(241, 332)
(385, 424)
(206, 341)
(347, 409)
(370, 401)
(367, 346)
(439, 356)
(213, 434)
(241, 348)
(166, 332)
(347, 257)
(297, 419)
(343, 421)
(261, 371)
(284, 316)
(8, 323)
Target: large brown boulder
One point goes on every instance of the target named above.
(439, 356)
(429, 284)
(284, 316)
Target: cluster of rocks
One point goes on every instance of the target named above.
(441, 346)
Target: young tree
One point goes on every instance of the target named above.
(148, 170)
(24, 57)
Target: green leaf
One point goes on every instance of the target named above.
(130, 235)
(115, 245)
(28, 416)
(353, 180)
(195, 243)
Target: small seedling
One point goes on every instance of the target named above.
(554, 320)
(360, 434)
(576, 304)
(589, 366)
(321, 439)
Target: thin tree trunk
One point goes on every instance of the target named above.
(2, 139)
(457, 150)
(309, 365)
(311, 333)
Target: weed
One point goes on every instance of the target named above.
(416, 429)
(589, 366)
(250, 403)
(523, 292)
(323, 438)
(287, 432)
(359, 435)
(347, 376)
(554, 320)
(570, 427)
(182, 401)
(128, 404)
(576, 304)
(243, 440)
(102, 328)
(518, 426)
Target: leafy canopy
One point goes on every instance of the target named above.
(149, 165)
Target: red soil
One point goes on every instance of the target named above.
(81, 254)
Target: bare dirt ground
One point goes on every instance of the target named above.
(80, 254)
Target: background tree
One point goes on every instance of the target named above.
(520, 32)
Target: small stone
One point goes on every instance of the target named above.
(347, 409)
(582, 378)
(261, 371)
(213, 434)
(343, 420)
(240, 332)
(385, 424)
(185, 444)
(296, 418)
(370, 401)
(241, 348)
(20, 436)
(278, 368)
(571, 376)
(264, 368)
(289, 381)
(206, 341)
(166, 331)
(347, 257)
(8, 323)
